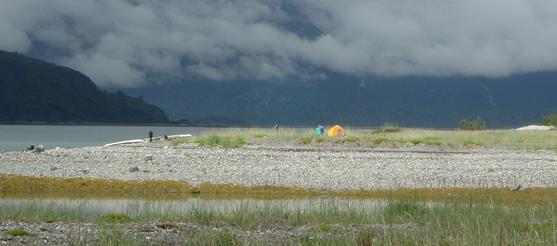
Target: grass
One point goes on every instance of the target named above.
(27, 185)
(217, 238)
(179, 141)
(396, 223)
(22, 186)
(18, 232)
(388, 127)
(389, 136)
(220, 141)
(115, 218)
(119, 237)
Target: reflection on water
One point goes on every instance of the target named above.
(138, 207)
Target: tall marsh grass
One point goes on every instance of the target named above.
(392, 223)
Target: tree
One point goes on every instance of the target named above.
(472, 124)
(550, 120)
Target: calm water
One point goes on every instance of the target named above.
(19, 137)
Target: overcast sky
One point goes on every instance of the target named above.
(120, 42)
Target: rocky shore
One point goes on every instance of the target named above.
(322, 168)
(64, 233)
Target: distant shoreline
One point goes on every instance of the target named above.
(121, 124)
(210, 125)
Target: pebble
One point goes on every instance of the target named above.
(308, 167)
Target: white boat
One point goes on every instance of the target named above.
(125, 142)
(535, 128)
(180, 136)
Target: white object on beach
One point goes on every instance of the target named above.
(125, 142)
(535, 128)
(180, 136)
(171, 137)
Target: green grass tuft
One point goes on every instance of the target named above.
(352, 140)
(325, 228)
(18, 232)
(115, 218)
(179, 141)
(216, 238)
(388, 127)
(221, 141)
(119, 237)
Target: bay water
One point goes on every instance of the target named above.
(20, 137)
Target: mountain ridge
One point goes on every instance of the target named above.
(35, 91)
(431, 102)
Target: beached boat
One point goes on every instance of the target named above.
(125, 142)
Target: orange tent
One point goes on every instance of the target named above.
(334, 131)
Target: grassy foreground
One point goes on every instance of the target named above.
(395, 223)
(13, 186)
(404, 216)
(388, 136)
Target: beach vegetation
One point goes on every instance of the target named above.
(49, 218)
(179, 141)
(221, 141)
(22, 185)
(475, 124)
(217, 238)
(443, 139)
(551, 119)
(305, 140)
(389, 127)
(323, 227)
(116, 236)
(460, 217)
(18, 232)
(352, 140)
(115, 218)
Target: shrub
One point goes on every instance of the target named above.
(416, 141)
(325, 228)
(115, 218)
(216, 238)
(179, 141)
(18, 232)
(431, 141)
(352, 139)
(379, 141)
(396, 211)
(260, 135)
(305, 140)
(550, 120)
(472, 124)
(389, 127)
(365, 238)
(218, 141)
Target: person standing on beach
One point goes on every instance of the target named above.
(276, 128)
(150, 136)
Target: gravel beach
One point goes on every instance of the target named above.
(62, 233)
(321, 168)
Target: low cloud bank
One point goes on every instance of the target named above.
(123, 42)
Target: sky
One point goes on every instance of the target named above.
(126, 43)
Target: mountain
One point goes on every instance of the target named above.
(438, 102)
(35, 91)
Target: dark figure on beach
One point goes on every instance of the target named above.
(150, 136)
(276, 128)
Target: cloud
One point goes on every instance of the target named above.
(123, 42)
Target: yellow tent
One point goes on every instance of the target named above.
(334, 131)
